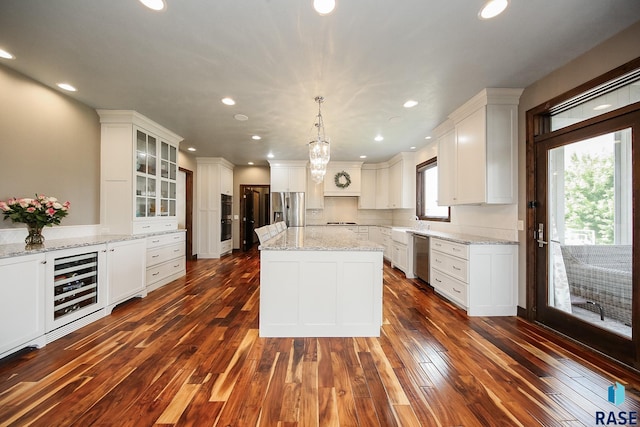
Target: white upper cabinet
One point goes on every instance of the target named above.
(368, 188)
(477, 161)
(402, 181)
(314, 199)
(138, 169)
(343, 179)
(226, 180)
(289, 176)
(382, 186)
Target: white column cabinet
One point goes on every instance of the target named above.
(138, 171)
(213, 175)
(22, 313)
(126, 262)
(478, 164)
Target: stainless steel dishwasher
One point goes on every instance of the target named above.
(421, 257)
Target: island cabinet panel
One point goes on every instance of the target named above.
(22, 287)
(125, 271)
(320, 293)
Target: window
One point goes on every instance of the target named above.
(427, 207)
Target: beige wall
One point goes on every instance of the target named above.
(612, 53)
(49, 143)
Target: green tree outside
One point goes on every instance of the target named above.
(589, 195)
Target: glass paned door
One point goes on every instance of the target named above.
(584, 236)
(590, 230)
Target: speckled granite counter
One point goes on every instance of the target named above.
(18, 249)
(318, 238)
(466, 239)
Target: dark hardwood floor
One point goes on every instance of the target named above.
(189, 354)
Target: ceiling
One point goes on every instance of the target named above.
(275, 56)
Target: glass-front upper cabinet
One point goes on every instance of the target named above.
(155, 176)
(168, 173)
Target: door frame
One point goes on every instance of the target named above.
(188, 220)
(243, 188)
(537, 132)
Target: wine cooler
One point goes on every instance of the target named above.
(76, 290)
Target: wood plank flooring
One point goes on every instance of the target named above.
(189, 354)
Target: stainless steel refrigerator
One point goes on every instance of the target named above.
(288, 207)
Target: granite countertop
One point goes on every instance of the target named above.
(467, 239)
(18, 249)
(318, 238)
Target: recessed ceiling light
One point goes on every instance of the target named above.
(67, 86)
(427, 137)
(410, 104)
(379, 138)
(324, 7)
(270, 155)
(241, 117)
(6, 55)
(493, 8)
(250, 163)
(153, 4)
(412, 148)
(601, 107)
(363, 157)
(228, 101)
(256, 137)
(191, 149)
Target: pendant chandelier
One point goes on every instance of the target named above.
(319, 149)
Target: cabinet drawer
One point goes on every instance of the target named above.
(165, 239)
(165, 253)
(164, 270)
(363, 229)
(450, 265)
(226, 246)
(451, 248)
(450, 287)
(142, 227)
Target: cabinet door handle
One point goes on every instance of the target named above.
(176, 266)
(155, 256)
(155, 241)
(456, 291)
(438, 280)
(456, 268)
(155, 274)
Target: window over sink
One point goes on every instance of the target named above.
(427, 207)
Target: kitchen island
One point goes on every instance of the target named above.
(320, 281)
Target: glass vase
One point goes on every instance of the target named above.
(35, 237)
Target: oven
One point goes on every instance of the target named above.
(225, 217)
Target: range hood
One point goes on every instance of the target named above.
(343, 179)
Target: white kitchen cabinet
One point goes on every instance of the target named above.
(314, 199)
(138, 171)
(382, 187)
(399, 256)
(481, 278)
(340, 171)
(368, 188)
(165, 258)
(480, 162)
(126, 262)
(386, 242)
(289, 176)
(212, 176)
(22, 314)
(402, 181)
(226, 180)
